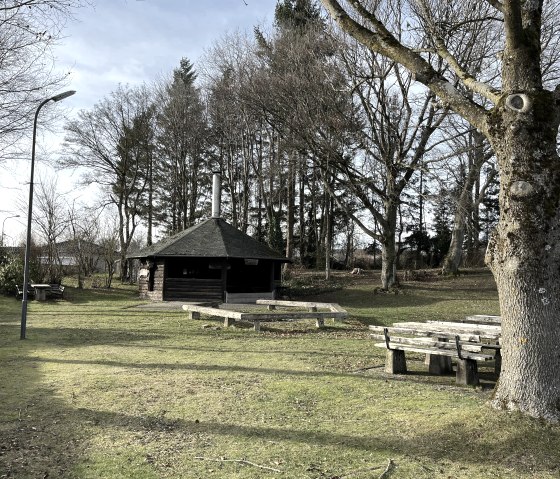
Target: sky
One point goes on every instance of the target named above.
(128, 42)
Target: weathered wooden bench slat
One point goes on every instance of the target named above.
(435, 350)
(213, 311)
(429, 333)
(483, 319)
(454, 325)
(312, 306)
(433, 343)
(437, 327)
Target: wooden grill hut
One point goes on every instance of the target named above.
(210, 261)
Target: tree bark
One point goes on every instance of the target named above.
(388, 248)
(524, 255)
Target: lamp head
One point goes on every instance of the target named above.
(62, 96)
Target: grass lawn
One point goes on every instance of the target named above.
(103, 389)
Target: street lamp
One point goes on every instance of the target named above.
(60, 96)
(4, 222)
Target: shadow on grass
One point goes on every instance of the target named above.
(79, 296)
(37, 437)
(467, 441)
(418, 376)
(200, 367)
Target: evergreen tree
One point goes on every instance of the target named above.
(296, 14)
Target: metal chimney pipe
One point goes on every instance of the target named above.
(216, 195)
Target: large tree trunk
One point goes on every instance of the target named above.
(465, 206)
(388, 258)
(290, 210)
(455, 254)
(524, 255)
(388, 249)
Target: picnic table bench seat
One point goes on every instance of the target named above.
(440, 346)
(56, 291)
(19, 292)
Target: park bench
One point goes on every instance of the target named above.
(335, 312)
(19, 292)
(441, 342)
(56, 291)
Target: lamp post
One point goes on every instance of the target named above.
(60, 96)
(3, 223)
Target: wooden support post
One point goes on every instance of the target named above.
(228, 322)
(439, 364)
(257, 325)
(467, 372)
(194, 315)
(312, 309)
(320, 323)
(395, 362)
(498, 362)
(271, 307)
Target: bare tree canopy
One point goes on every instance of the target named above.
(28, 31)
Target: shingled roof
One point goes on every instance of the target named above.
(213, 238)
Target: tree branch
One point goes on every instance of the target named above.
(468, 80)
(381, 41)
(496, 4)
(240, 461)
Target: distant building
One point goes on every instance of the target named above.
(210, 261)
(69, 252)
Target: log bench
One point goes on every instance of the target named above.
(440, 346)
(257, 318)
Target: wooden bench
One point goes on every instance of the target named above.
(56, 291)
(483, 319)
(312, 306)
(19, 292)
(256, 318)
(440, 346)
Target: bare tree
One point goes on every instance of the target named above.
(109, 143)
(28, 31)
(109, 243)
(520, 118)
(470, 155)
(51, 219)
(83, 234)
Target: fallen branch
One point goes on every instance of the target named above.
(239, 461)
(358, 472)
(387, 470)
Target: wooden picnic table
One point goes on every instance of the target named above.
(483, 319)
(491, 332)
(442, 340)
(40, 291)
